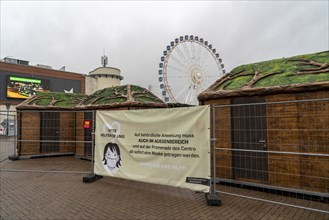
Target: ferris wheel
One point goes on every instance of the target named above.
(188, 66)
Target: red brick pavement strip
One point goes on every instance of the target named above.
(42, 195)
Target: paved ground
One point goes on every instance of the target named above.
(52, 188)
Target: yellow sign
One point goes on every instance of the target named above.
(161, 146)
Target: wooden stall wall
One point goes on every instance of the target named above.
(29, 129)
(314, 138)
(283, 135)
(296, 127)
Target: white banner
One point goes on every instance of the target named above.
(162, 146)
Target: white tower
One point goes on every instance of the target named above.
(103, 77)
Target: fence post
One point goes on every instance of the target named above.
(213, 139)
(93, 143)
(15, 135)
(213, 197)
(8, 108)
(92, 176)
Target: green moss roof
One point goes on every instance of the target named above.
(120, 96)
(297, 71)
(56, 99)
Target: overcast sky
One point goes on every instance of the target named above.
(135, 33)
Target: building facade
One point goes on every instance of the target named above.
(103, 77)
(19, 81)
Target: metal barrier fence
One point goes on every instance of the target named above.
(279, 148)
(7, 134)
(43, 134)
(261, 149)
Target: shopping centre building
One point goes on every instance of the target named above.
(19, 80)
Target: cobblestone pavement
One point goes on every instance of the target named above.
(52, 188)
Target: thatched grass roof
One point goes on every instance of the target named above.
(307, 72)
(113, 97)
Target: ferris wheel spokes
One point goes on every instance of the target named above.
(183, 71)
(179, 62)
(181, 55)
(182, 93)
(187, 53)
(193, 90)
(189, 66)
(189, 95)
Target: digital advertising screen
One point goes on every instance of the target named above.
(23, 88)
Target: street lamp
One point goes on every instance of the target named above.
(7, 107)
